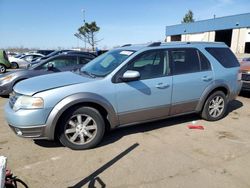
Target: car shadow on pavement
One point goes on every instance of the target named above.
(115, 135)
(48, 143)
(234, 105)
(5, 96)
(245, 94)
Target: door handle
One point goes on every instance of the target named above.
(162, 86)
(207, 78)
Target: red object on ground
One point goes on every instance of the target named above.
(196, 127)
(8, 172)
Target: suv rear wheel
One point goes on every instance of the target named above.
(81, 128)
(215, 106)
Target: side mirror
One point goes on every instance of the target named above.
(130, 75)
(50, 66)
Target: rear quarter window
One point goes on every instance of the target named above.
(224, 56)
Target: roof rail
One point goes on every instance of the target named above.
(154, 44)
(126, 45)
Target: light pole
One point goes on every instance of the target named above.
(83, 14)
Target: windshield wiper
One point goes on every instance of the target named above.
(88, 73)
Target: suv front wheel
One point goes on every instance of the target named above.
(81, 128)
(215, 106)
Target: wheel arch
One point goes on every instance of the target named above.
(74, 101)
(217, 87)
(16, 63)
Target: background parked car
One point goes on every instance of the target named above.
(4, 62)
(23, 60)
(12, 54)
(37, 60)
(44, 52)
(245, 69)
(56, 52)
(59, 63)
(245, 60)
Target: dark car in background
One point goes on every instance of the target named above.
(57, 52)
(44, 52)
(245, 69)
(58, 63)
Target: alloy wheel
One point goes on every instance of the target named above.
(216, 106)
(81, 129)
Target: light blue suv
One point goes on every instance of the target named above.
(128, 85)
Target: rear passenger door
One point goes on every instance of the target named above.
(191, 76)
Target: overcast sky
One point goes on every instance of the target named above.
(52, 23)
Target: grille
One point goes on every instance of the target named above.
(245, 77)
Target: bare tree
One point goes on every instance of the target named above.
(88, 33)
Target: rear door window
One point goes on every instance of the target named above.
(185, 61)
(205, 64)
(224, 56)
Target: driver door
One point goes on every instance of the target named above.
(149, 97)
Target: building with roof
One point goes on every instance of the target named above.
(232, 30)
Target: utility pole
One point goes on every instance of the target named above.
(83, 14)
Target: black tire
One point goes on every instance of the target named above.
(211, 107)
(14, 65)
(71, 118)
(2, 68)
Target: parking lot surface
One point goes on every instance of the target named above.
(159, 154)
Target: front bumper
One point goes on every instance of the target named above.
(30, 132)
(245, 85)
(27, 123)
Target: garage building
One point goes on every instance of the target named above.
(233, 30)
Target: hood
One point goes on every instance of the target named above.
(245, 66)
(11, 73)
(50, 81)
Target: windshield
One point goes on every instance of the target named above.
(106, 63)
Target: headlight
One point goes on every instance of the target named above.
(6, 78)
(26, 102)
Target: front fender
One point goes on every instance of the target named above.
(72, 100)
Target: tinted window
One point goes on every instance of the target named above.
(60, 62)
(150, 64)
(224, 56)
(83, 60)
(64, 62)
(205, 64)
(185, 61)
